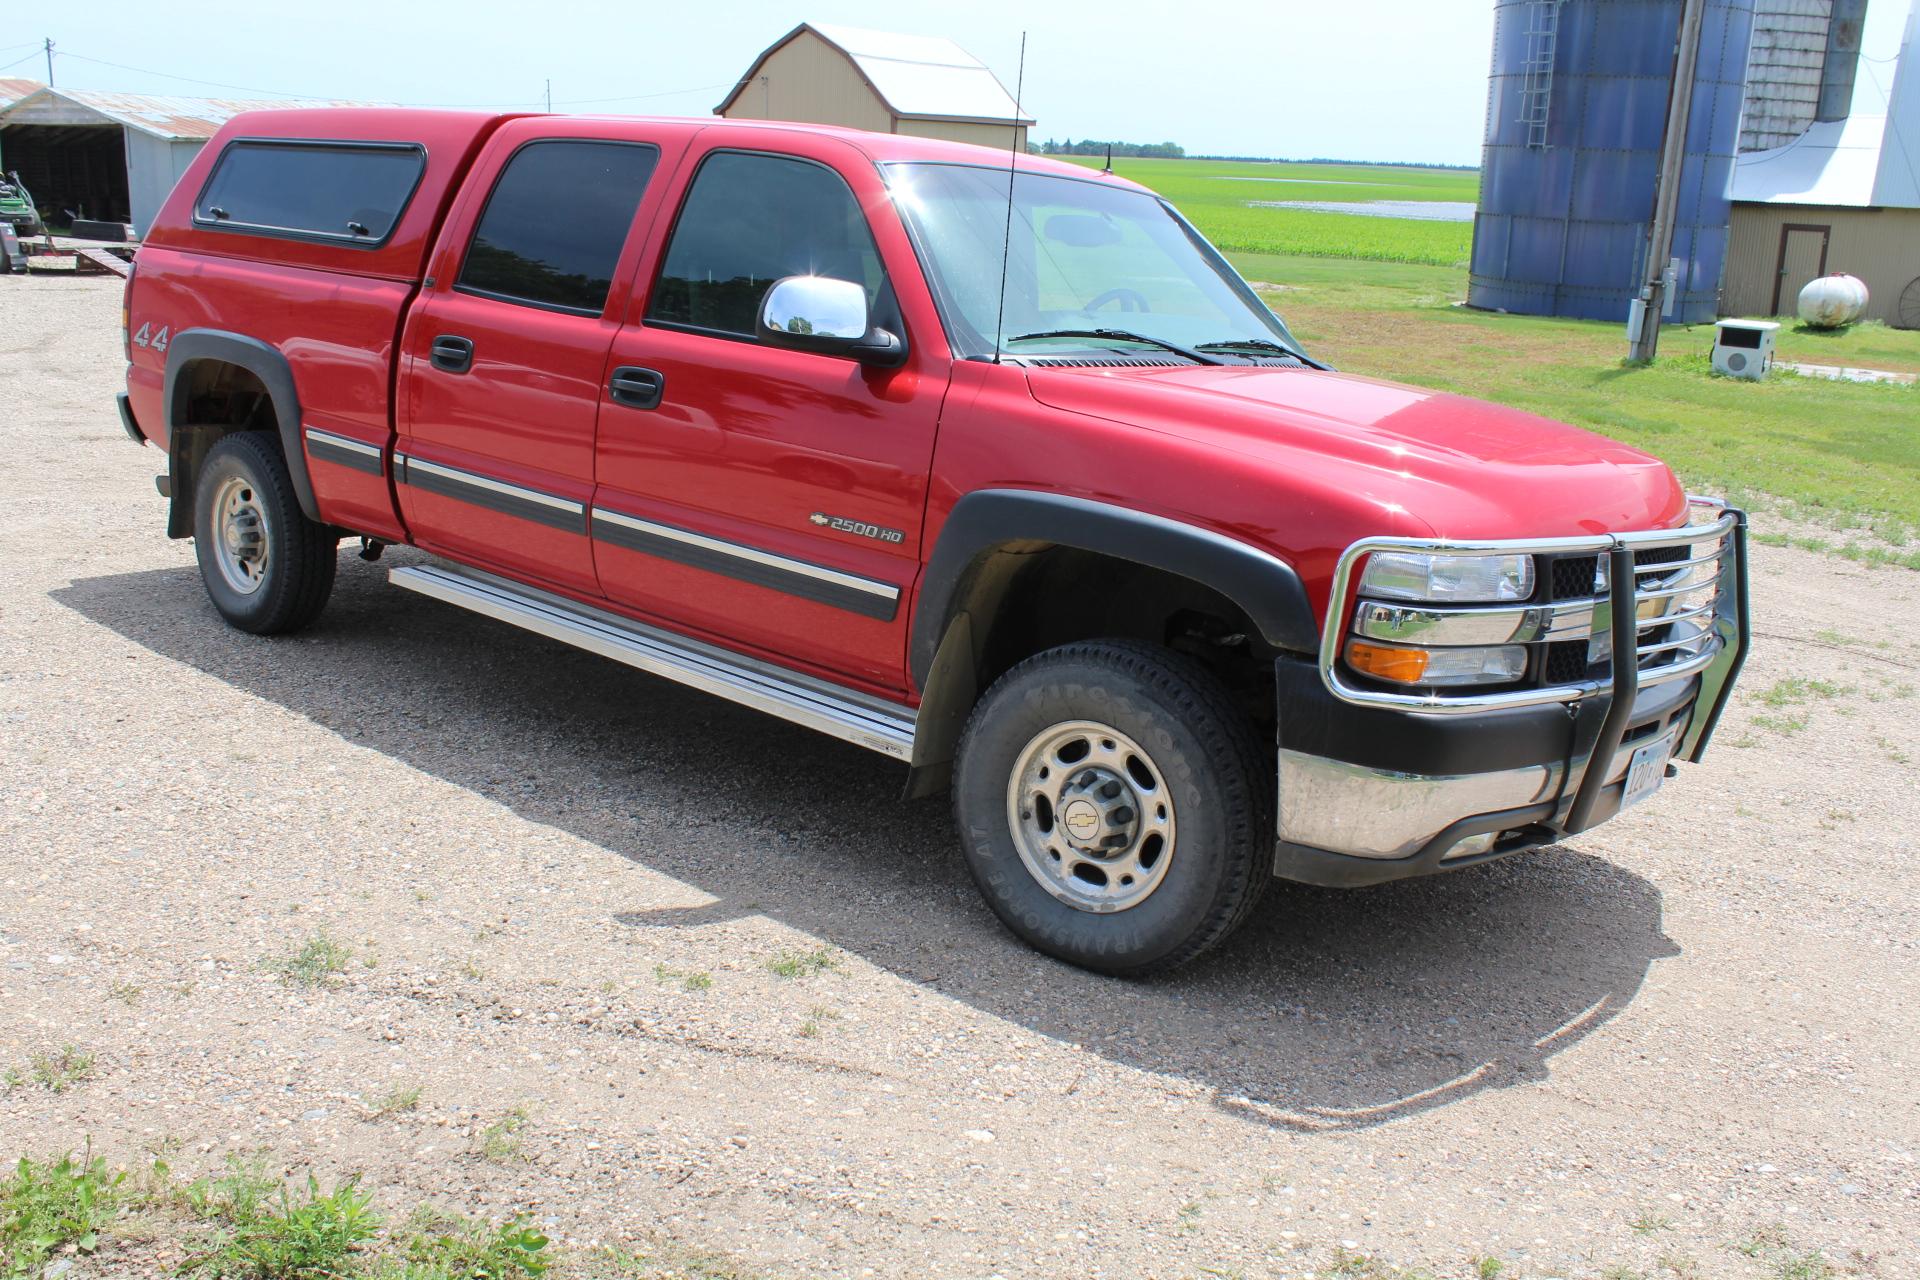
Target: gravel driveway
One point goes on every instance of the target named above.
(657, 965)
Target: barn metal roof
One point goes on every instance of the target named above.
(923, 77)
(1833, 163)
(162, 116)
(12, 89)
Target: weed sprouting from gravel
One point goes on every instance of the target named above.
(125, 992)
(47, 1206)
(54, 1072)
(817, 1019)
(1648, 1223)
(436, 1245)
(501, 1141)
(1622, 1273)
(319, 962)
(618, 1262)
(1805, 1266)
(1348, 1265)
(685, 979)
(1794, 690)
(1764, 1240)
(1488, 1268)
(259, 1236)
(395, 1101)
(802, 964)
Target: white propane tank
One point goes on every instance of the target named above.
(1832, 302)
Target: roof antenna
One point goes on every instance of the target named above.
(1006, 243)
(1109, 169)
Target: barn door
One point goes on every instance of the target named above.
(1803, 256)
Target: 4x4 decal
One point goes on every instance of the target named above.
(147, 338)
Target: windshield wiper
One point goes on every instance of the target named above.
(1121, 335)
(1259, 344)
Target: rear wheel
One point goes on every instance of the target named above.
(267, 568)
(1113, 806)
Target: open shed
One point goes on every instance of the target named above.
(111, 157)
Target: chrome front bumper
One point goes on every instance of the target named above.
(1342, 822)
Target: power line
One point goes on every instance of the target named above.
(17, 61)
(471, 106)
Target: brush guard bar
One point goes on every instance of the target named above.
(1714, 651)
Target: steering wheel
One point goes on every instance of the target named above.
(1129, 300)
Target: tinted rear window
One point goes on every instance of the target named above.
(556, 222)
(350, 192)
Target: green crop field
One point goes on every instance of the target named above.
(1220, 196)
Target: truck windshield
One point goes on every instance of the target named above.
(1084, 256)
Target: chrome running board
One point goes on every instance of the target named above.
(874, 723)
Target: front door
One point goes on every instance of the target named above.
(503, 358)
(769, 497)
(1803, 257)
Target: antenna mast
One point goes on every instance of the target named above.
(1006, 243)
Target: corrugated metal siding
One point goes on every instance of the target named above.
(1784, 66)
(154, 165)
(1880, 246)
(809, 80)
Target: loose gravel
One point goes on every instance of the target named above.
(744, 997)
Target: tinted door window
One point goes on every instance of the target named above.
(555, 223)
(335, 191)
(750, 220)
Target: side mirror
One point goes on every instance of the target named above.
(818, 313)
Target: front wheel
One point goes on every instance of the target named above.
(267, 568)
(1113, 806)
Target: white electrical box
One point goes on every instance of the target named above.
(1743, 348)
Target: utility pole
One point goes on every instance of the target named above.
(49, 63)
(1643, 317)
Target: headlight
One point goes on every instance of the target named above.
(1495, 664)
(1441, 576)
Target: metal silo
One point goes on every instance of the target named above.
(1576, 106)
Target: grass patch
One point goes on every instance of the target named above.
(443, 1246)
(1231, 203)
(395, 1102)
(46, 1206)
(310, 1235)
(685, 979)
(319, 962)
(1795, 690)
(54, 1072)
(500, 1141)
(817, 1018)
(802, 964)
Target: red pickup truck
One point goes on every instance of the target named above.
(991, 465)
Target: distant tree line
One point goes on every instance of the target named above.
(1394, 164)
(1088, 147)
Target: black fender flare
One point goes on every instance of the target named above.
(195, 346)
(986, 521)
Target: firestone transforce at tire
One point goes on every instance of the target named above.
(267, 568)
(1113, 806)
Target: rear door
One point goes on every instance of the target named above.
(503, 354)
(772, 498)
(1803, 258)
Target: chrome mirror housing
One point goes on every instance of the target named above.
(819, 313)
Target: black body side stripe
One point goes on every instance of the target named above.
(343, 451)
(744, 564)
(495, 495)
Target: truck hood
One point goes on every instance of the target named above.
(1464, 467)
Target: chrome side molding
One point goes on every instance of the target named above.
(867, 721)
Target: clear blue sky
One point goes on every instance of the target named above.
(1354, 79)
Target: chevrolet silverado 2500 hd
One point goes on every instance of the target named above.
(1062, 516)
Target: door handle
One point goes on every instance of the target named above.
(455, 355)
(636, 388)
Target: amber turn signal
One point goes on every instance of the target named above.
(1382, 662)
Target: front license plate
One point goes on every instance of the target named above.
(1646, 771)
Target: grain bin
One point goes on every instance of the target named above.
(1576, 109)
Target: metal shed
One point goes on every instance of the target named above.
(112, 157)
(927, 86)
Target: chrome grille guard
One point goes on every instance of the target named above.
(1714, 651)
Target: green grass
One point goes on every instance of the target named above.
(500, 1141)
(318, 962)
(309, 1235)
(685, 979)
(50, 1205)
(1838, 454)
(802, 964)
(1219, 197)
(54, 1072)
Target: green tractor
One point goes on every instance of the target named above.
(16, 205)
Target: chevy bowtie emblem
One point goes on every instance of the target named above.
(820, 517)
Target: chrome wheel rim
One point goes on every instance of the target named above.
(1091, 816)
(241, 547)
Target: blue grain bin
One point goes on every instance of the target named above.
(1573, 155)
